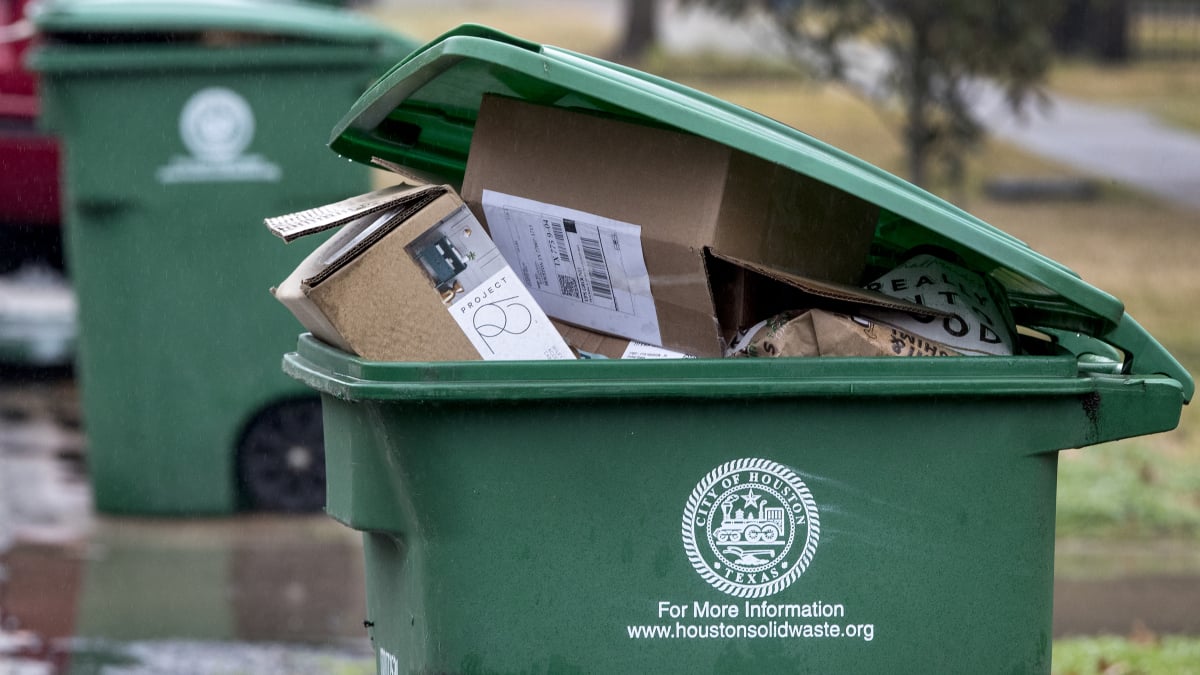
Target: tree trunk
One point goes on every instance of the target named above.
(1110, 31)
(641, 29)
(918, 135)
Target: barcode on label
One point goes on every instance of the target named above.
(568, 286)
(560, 241)
(597, 270)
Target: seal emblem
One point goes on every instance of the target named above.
(216, 124)
(750, 527)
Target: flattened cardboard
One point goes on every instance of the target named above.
(685, 192)
(295, 225)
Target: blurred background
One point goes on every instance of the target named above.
(1072, 124)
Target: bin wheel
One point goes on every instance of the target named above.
(281, 459)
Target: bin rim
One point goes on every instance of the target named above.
(342, 375)
(1114, 406)
(282, 18)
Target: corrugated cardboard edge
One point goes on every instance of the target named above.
(830, 290)
(407, 207)
(292, 226)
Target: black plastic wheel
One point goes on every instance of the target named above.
(281, 459)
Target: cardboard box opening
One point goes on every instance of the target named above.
(533, 169)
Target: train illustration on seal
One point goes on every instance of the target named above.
(740, 527)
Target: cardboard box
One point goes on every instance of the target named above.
(614, 220)
(412, 276)
(745, 294)
(591, 345)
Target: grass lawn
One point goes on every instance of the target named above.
(565, 25)
(1140, 655)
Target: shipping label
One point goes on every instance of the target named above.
(639, 351)
(581, 267)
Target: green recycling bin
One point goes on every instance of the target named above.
(568, 517)
(180, 125)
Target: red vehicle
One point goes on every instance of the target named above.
(29, 190)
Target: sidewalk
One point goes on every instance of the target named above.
(1123, 145)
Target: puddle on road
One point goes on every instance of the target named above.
(83, 594)
(149, 590)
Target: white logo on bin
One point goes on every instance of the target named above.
(750, 527)
(216, 126)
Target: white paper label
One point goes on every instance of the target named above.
(581, 267)
(637, 350)
(484, 295)
(977, 324)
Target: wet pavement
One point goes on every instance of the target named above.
(1129, 588)
(81, 593)
(247, 594)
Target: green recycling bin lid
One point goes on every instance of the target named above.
(421, 115)
(91, 35)
(280, 18)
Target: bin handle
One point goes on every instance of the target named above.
(1144, 355)
(103, 209)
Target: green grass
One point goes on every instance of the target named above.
(1127, 490)
(1145, 655)
(569, 26)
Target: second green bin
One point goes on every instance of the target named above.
(819, 515)
(180, 125)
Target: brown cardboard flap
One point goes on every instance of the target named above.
(589, 342)
(831, 290)
(792, 222)
(311, 221)
(401, 211)
(411, 176)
